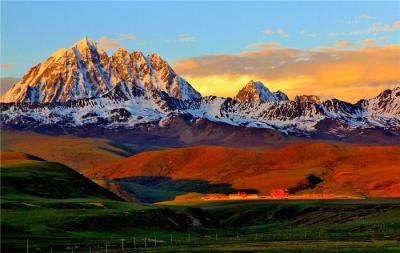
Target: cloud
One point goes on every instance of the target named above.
(348, 74)
(368, 42)
(366, 17)
(268, 31)
(107, 43)
(6, 83)
(127, 37)
(396, 24)
(348, 22)
(263, 45)
(185, 38)
(6, 66)
(332, 34)
(280, 32)
(363, 17)
(377, 28)
(312, 35)
(343, 43)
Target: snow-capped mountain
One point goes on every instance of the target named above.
(83, 86)
(86, 71)
(256, 92)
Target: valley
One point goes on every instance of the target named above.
(317, 168)
(39, 205)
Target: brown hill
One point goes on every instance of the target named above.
(344, 169)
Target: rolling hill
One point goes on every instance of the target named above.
(368, 171)
(74, 152)
(54, 205)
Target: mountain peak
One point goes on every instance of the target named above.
(256, 92)
(86, 71)
(307, 98)
(85, 42)
(156, 59)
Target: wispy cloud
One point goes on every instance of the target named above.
(6, 66)
(263, 45)
(186, 38)
(344, 74)
(280, 32)
(107, 43)
(377, 28)
(368, 42)
(366, 17)
(343, 43)
(362, 18)
(312, 35)
(127, 36)
(268, 31)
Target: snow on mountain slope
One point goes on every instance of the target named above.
(86, 71)
(256, 92)
(287, 116)
(82, 86)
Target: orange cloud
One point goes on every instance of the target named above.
(368, 42)
(263, 45)
(327, 72)
(280, 32)
(396, 24)
(107, 43)
(343, 43)
(127, 36)
(6, 66)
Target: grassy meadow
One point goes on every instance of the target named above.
(52, 208)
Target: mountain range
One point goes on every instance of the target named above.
(84, 87)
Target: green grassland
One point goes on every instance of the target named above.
(59, 210)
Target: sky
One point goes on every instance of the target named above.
(347, 50)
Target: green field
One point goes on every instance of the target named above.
(53, 208)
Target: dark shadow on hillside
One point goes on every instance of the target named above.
(150, 189)
(126, 149)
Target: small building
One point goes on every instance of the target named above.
(279, 194)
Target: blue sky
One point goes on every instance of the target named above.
(31, 31)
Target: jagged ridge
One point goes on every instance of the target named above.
(83, 86)
(86, 71)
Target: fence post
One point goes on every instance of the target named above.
(122, 244)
